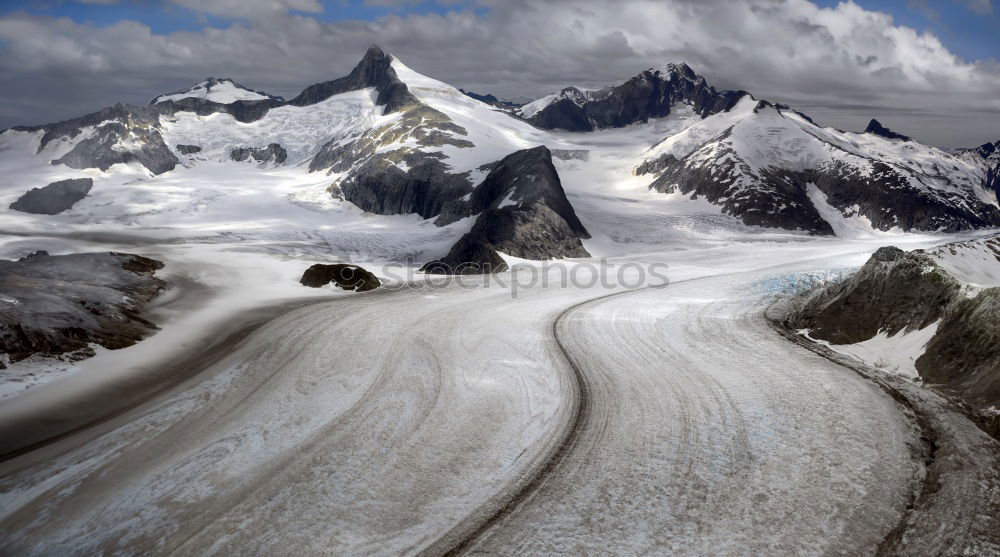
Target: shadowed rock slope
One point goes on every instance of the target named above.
(54, 198)
(523, 211)
(897, 291)
(651, 94)
(52, 305)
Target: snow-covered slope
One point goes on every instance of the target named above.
(222, 91)
(574, 95)
(759, 161)
(387, 140)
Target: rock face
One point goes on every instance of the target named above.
(523, 211)
(988, 155)
(769, 165)
(52, 305)
(374, 70)
(490, 99)
(899, 291)
(875, 127)
(102, 148)
(273, 153)
(348, 277)
(894, 291)
(651, 94)
(54, 198)
(127, 134)
(375, 178)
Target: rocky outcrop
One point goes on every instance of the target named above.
(348, 277)
(404, 180)
(766, 164)
(374, 70)
(126, 134)
(102, 148)
(897, 291)
(188, 149)
(522, 211)
(651, 94)
(490, 99)
(876, 128)
(779, 202)
(894, 291)
(52, 305)
(54, 198)
(988, 155)
(273, 153)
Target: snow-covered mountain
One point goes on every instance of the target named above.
(222, 91)
(389, 141)
(652, 94)
(773, 166)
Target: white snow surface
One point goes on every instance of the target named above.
(975, 262)
(893, 354)
(223, 91)
(271, 223)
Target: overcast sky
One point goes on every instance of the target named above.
(925, 68)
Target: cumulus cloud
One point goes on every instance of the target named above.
(842, 64)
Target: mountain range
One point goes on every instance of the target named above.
(395, 142)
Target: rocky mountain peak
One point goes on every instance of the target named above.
(222, 90)
(876, 128)
(374, 70)
(681, 70)
(651, 94)
(988, 150)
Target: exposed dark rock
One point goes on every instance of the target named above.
(898, 291)
(272, 153)
(118, 124)
(990, 155)
(243, 111)
(374, 70)
(38, 253)
(777, 197)
(348, 277)
(381, 187)
(490, 99)
(964, 354)
(876, 128)
(523, 211)
(780, 202)
(651, 94)
(138, 127)
(188, 149)
(57, 304)
(376, 181)
(894, 291)
(54, 198)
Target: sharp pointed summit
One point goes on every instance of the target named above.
(374, 70)
(876, 128)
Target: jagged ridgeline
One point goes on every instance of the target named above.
(395, 142)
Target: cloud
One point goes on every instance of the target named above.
(251, 9)
(982, 7)
(825, 60)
